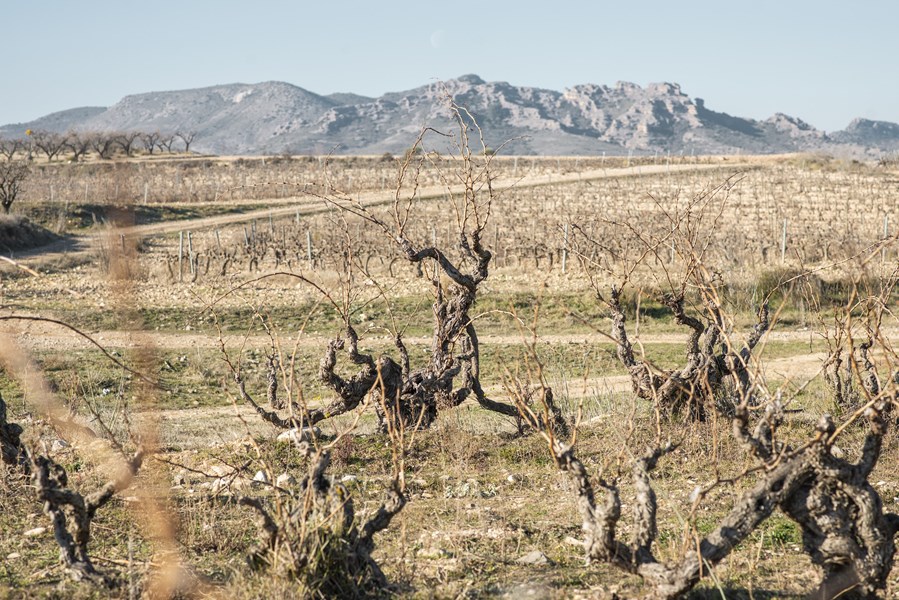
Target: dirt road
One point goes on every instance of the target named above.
(47, 336)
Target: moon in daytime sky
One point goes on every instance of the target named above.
(437, 38)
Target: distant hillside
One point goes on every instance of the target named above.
(59, 121)
(589, 119)
(870, 134)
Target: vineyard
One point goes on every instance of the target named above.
(777, 217)
(452, 374)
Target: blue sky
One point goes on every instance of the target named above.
(825, 62)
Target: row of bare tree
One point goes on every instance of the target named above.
(76, 145)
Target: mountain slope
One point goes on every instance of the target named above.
(61, 121)
(867, 133)
(274, 117)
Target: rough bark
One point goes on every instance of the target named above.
(715, 375)
(272, 392)
(72, 513)
(11, 451)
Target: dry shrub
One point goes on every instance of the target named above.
(18, 233)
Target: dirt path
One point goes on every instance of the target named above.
(308, 205)
(792, 368)
(46, 336)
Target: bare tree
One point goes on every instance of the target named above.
(102, 144)
(716, 371)
(165, 142)
(453, 371)
(71, 512)
(310, 531)
(150, 141)
(126, 140)
(12, 175)
(715, 375)
(50, 143)
(78, 144)
(187, 137)
(9, 147)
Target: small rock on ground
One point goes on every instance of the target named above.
(285, 480)
(534, 558)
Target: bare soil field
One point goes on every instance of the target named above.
(195, 309)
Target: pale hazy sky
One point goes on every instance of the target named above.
(825, 62)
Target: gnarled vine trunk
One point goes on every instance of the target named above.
(716, 374)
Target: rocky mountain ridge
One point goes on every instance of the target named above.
(589, 119)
